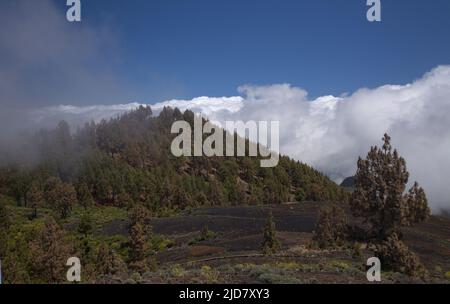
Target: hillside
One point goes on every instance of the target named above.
(88, 194)
(127, 160)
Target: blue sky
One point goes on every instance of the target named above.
(210, 47)
(153, 50)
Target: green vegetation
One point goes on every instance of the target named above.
(205, 234)
(210, 275)
(127, 161)
(270, 243)
(380, 199)
(379, 195)
(331, 227)
(272, 275)
(60, 189)
(177, 271)
(395, 255)
(447, 275)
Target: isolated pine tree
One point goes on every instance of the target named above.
(380, 200)
(270, 243)
(379, 196)
(138, 249)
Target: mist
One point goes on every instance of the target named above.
(47, 61)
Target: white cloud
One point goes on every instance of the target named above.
(77, 115)
(209, 106)
(331, 132)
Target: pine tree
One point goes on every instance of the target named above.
(138, 214)
(108, 262)
(50, 252)
(270, 243)
(379, 193)
(331, 226)
(379, 198)
(85, 226)
(36, 197)
(138, 249)
(84, 195)
(60, 196)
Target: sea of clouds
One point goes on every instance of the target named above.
(330, 132)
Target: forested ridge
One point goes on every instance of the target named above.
(58, 190)
(127, 160)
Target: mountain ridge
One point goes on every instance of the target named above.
(127, 160)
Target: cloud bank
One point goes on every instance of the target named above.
(330, 132)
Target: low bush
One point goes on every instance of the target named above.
(396, 256)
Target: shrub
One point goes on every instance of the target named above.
(209, 274)
(395, 255)
(177, 271)
(447, 275)
(271, 275)
(275, 278)
(205, 234)
(300, 195)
